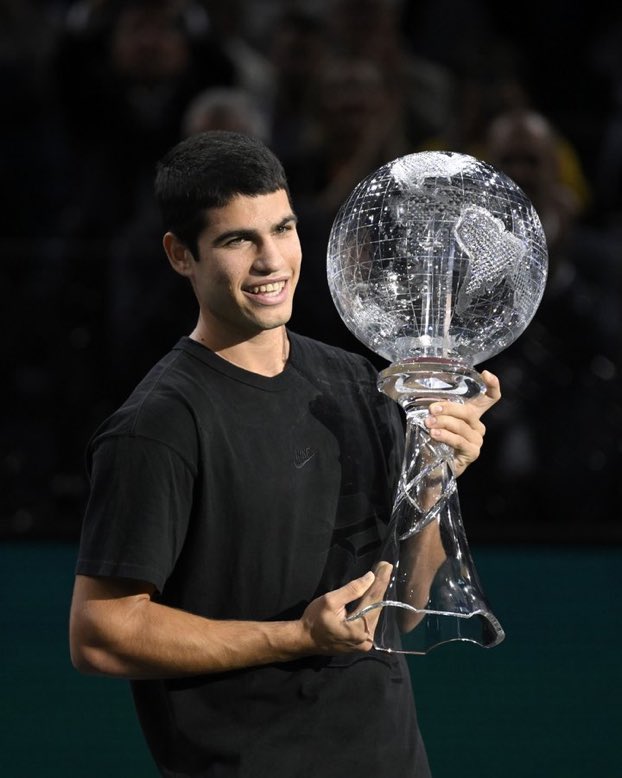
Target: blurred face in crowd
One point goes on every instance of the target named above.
(350, 95)
(149, 44)
(366, 27)
(522, 145)
(297, 52)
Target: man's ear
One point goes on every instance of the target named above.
(179, 255)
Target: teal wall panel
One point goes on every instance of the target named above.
(545, 703)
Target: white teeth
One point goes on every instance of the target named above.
(267, 288)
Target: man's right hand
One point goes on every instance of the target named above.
(326, 618)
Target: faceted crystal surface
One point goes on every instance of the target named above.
(437, 255)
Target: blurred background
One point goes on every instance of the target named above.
(93, 93)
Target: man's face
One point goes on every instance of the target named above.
(248, 265)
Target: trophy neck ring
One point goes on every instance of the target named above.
(415, 383)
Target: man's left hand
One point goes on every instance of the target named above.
(459, 425)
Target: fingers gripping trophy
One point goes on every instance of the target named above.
(436, 262)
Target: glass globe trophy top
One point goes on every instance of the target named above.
(436, 261)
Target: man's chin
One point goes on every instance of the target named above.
(274, 321)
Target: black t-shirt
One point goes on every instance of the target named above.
(245, 497)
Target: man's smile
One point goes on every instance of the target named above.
(272, 288)
(270, 293)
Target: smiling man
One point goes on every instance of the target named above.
(244, 277)
(238, 502)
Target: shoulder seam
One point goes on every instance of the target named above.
(149, 393)
(134, 435)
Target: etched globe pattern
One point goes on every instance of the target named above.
(437, 255)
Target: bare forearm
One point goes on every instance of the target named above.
(144, 639)
(117, 629)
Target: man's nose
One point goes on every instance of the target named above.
(269, 257)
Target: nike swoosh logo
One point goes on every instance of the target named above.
(302, 457)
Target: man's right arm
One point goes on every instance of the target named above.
(117, 629)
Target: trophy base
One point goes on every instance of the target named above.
(404, 629)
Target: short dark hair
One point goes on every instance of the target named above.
(208, 170)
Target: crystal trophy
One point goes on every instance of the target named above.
(437, 261)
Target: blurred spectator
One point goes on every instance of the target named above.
(224, 108)
(449, 33)
(358, 126)
(487, 84)
(297, 49)
(127, 70)
(551, 466)
(525, 146)
(372, 29)
(252, 70)
(490, 84)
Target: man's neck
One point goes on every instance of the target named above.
(265, 354)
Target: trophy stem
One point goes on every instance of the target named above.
(434, 595)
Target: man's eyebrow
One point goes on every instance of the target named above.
(251, 234)
(291, 217)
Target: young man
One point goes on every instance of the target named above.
(238, 502)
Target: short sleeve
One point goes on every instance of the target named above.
(139, 509)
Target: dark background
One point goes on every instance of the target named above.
(89, 302)
(93, 93)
